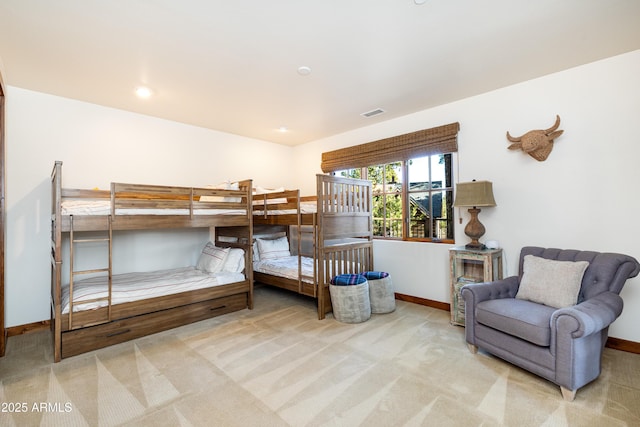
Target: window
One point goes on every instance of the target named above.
(411, 175)
(387, 199)
(430, 198)
(419, 207)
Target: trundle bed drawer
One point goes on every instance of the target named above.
(86, 339)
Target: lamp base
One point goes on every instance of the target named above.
(474, 230)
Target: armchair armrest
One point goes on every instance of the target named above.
(474, 293)
(588, 317)
(478, 292)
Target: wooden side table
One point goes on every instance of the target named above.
(470, 266)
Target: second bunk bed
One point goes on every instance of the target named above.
(301, 243)
(95, 308)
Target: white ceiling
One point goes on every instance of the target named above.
(232, 65)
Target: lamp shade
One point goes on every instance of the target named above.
(474, 193)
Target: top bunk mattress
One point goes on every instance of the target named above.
(287, 267)
(125, 199)
(103, 207)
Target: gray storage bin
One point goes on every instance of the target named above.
(381, 294)
(350, 302)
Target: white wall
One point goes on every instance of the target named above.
(581, 197)
(99, 145)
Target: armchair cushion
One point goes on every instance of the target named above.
(551, 282)
(523, 319)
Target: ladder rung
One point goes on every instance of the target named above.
(106, 239)
(97, 270)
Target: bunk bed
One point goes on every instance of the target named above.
(99, 308)
(336, 224)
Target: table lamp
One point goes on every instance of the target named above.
(474, 194)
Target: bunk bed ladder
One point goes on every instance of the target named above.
(310, 232)
(96, 271)
(314, 240)
(299, 238)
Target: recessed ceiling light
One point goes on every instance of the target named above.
(283, 129)
(143, 92)
(419, 1)
(304, 70)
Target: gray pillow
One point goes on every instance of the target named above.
(550, 282)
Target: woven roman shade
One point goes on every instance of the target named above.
(438, 140)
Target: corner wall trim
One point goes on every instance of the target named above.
(423, 301)
(623, 345)
(28, 328)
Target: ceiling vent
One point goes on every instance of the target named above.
(372, 113)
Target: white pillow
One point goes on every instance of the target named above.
(550, 282)
(272, 249)
(212, 258)
(234, 262)
(223, 186)
(256, 252)
(260, 200)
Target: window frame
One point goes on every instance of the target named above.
(405, 193)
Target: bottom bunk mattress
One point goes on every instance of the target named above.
(131, 287)
(286, 267)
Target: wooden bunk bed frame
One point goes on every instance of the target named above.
(341, 230)
(88, 330)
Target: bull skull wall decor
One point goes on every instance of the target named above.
(537, 143)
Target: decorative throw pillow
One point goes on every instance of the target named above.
(271, 249)
(375, 275)
(234, 262)
(348, 280)
(212, 258)
(550, 282)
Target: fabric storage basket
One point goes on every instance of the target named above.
(350, 298)
(381, 295)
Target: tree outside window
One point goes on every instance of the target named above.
(418, 207)
(430, 197)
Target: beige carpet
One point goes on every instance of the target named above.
(277, 365)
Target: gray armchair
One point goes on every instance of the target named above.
(563, 345)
